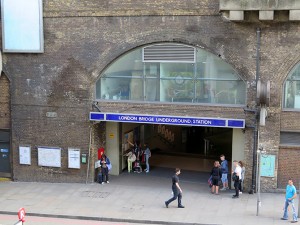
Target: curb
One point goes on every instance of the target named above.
(106, 219)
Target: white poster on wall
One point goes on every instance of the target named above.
(25, 155)
(74, 158)
(49, 156)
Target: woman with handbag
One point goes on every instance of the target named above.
(216, 174)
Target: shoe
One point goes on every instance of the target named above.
(216, 193)
(241, 192)
(181, 206)
(283, 218)
(107, 182)
(223, 189)
(102, 183)
(167, 205)
(235, 196)
(294, 221)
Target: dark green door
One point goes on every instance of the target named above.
(5, 167)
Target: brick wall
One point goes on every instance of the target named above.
(4, 102)
(83, 38)
(288, 166)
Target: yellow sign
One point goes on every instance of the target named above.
(111, 135)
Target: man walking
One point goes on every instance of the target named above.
(224, 170)
(290, 195)
(237, 176)
(177, 192)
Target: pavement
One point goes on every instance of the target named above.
(139, 198)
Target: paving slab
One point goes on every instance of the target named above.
(139, 198)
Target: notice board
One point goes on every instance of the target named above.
(49, 156)
(267, 165)
(25, 155)
(74, 158)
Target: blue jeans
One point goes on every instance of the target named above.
(286, 205)
(147, 163)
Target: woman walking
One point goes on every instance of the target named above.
(216, 174)
(241, 187)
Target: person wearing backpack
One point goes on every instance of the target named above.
(216, 175)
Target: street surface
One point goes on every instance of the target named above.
(136, 198)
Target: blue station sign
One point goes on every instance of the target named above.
(168, 120)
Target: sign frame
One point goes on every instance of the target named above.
(26, 151)
(48, 163)
(76, 163)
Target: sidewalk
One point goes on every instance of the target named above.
(139, 198)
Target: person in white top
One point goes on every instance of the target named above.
(236, 177)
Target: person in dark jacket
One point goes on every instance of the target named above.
(105, 165)
(216, 174)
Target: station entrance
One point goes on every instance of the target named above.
(191, 148)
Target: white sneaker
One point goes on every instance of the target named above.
(241, 192)
(223, 189)
(102, 183)
(107, 182)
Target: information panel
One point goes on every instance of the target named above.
(267, 165)
(25, 155)
(49, 156)
(74, 158)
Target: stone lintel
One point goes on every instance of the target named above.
(294, 15)
(266, 15)
(236, 15)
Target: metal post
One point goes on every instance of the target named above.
(258, 182)
(299, 202)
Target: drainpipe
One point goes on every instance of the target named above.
(255, 130)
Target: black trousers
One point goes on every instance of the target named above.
(237, 187)
(177, 194)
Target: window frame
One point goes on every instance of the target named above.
(144, 78)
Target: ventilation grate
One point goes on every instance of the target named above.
(169, 52)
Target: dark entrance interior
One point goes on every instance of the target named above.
(5, 167)
(191, 148)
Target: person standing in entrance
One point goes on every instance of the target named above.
(290, 195)
(177, 191)
(224, 169)
(237, 176)
(147, 156)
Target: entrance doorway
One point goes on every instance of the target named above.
(188, 147)
(5, 167)
(5, 121)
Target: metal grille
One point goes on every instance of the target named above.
(289, 138)
(169, 52)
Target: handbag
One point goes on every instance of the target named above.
(209, 181)
(235, 177)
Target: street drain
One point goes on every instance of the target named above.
(94, 194)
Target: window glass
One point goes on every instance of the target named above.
(206, 80)
(292, 89)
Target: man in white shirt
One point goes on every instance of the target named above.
(236, 176)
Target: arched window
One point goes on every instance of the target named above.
(292, 89)
(170, 72)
